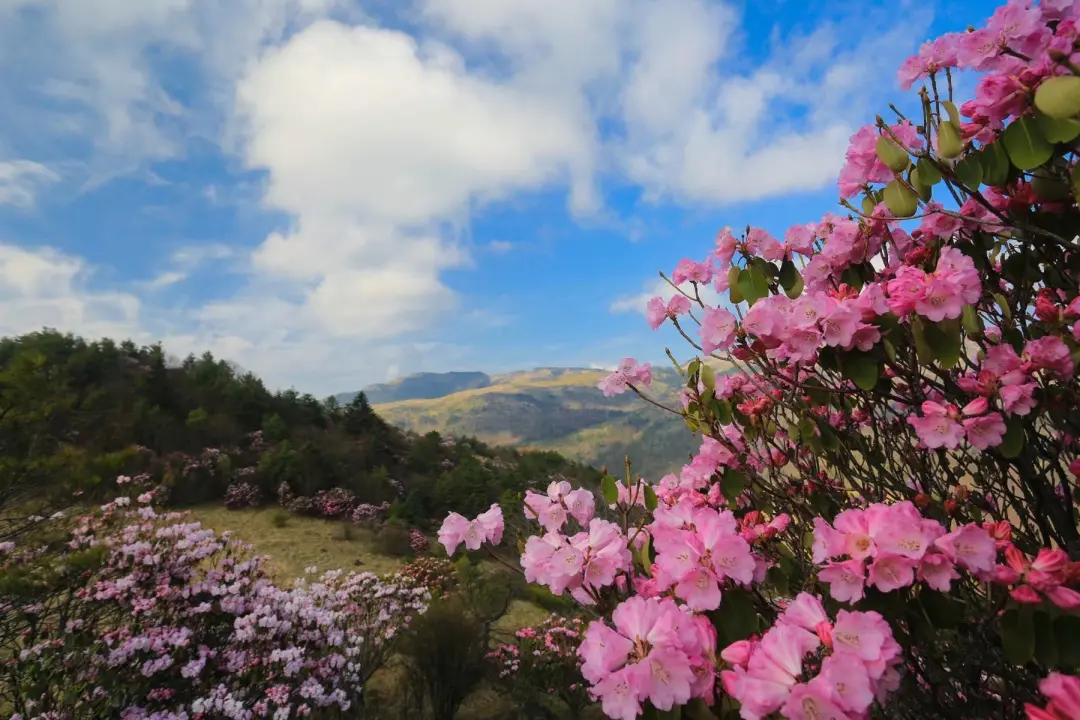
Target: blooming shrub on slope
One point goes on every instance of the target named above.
(882, 515)
(142, 614)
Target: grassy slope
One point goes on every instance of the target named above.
(560, 410)
(305, 542)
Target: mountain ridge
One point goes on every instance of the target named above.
(549, 408)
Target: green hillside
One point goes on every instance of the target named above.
(558, 409)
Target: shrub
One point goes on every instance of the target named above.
(393, 540)
(418, 542)
(141, 615)
(885, 493)
(444, 658)
(334, 503)
(368, 514)
(302, 505)
(285, 494)
(280, 518)
(541, 664)
(435, 575)
(242, 495)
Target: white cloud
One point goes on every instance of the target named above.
(378, 146)
(186, 260)
(20, 181)
(500, 247)
(46, 288)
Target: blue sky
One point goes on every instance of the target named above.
(334, 193)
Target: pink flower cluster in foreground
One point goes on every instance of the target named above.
(1063, 692)
(859, 667)
(888, 546)
(656, 651)
(486, 527)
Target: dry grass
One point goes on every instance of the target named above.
(303, 542)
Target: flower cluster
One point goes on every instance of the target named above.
(418, 541)
(542, 660)
(174, 620)
(627, 374)
(560, 503)
(334, 503)
(434, 575)
(368, 514)
(1063, 692)
(887, 546)
(656, 652)
(887, 399)
(861, 665)
(242, 495)
(486, 527)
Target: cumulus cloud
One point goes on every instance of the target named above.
(378, 146)
(47, 288)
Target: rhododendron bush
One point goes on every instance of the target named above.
(135, 614)
(881, 519)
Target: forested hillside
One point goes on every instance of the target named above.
(78, 413)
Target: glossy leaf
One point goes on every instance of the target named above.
(1018, 635)
(969, 171)
(651, 501)
(900, 199)
(928, 172)
(1025, 144)
(1012, 444)
(1046, 645)
(862, 369)
(1057, 130)
(950, 144)
(1059, 97)
(610, 487)
(733, 483)
(894, 156)
(995, 164)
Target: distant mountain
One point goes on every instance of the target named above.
(422, 386)
(557, 409)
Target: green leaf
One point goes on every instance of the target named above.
(723, 412)
(738, 616)
(1059, 96)
(1004, 305)
(924, 190)
(1067, 628)
(733, 483)
(1012, 444)
(928, 172)
(1057, 131)
(610, 487)
(894, 156)
(949, 143)
(1025, 144)
(1018, 635)
(954, 114)
(969, 171)
(795, 290)
(708, 377)
(733, 285)
(900, 199)
(778, 579)
(944, 340)
(995, 164)
(651, 502)
(1049, 186)
(696, 709)
(971, 321)
(753, 285)
(789, 274)
(862, 369)
(1046, 646)
(643, 555)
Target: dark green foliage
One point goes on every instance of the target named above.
(444, 658)
(393, 539)
(74, 414)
